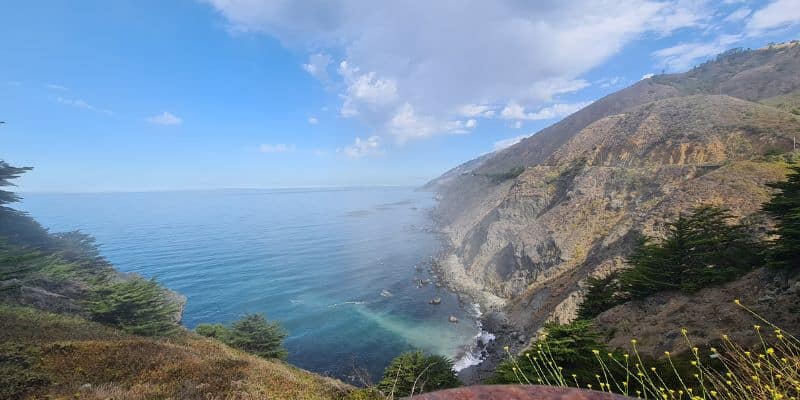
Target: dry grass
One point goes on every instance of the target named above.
(85, 360)
(768, 371)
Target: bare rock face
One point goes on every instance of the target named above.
(624, 165)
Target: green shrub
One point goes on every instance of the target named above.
(214, 331)
(138, 306)
(20, 370)
(568, 346)
(252, 333)
(416, 372)
(506, 175)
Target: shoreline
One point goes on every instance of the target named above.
(494, 330)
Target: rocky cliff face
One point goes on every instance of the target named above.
(623, 165)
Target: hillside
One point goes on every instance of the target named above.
(619, 167)
(75, 327)
(46, 354)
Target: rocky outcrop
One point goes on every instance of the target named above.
(622, 166)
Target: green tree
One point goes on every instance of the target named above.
(7, 174)
(700, 249)
(784, 207)
(254, 334)
(601, 294)
(135, 305)
(569, 346)
(416, 372)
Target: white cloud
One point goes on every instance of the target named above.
(317, 66)
(647, 76)
(559, 110)
(606, 83)
(502, 144)
(78, 103)
(683, 56)
(778, 14)
(56, 87)
(165, 118)
(276, 148)
(361, 148)
(476, 110)
(738, 15)
(517, 124)
(414, 80)
(313, 120)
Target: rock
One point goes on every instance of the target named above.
(453, 319)
(435, 301)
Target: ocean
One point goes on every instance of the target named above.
(340, 268)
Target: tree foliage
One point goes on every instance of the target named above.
(136, 305)
(7, 174)
(570, 346)
(701, 249)
(252, 333)
(416, 372)
(784, 207)
(601, 294)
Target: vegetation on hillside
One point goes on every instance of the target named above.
(563, 352)
(416, 372)
(784, 208)
(731, 372)
(701, 249)
(252, 333)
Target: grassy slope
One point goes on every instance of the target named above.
(81, 359)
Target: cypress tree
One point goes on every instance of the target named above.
(784, 207)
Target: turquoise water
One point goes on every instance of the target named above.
(337, 267)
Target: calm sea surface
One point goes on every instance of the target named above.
(337, 267)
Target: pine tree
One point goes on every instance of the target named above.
(254, 334)
(416, 372)
(8, 173)
(138, 306)
(701, 249)
(784, 207)
(601, 294)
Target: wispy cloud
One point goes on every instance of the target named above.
(361, 148)
(559, 110)
(78, 103)
(682, 56)
(313, 120)
(165, 118)
(276, 148)
(778, 14)
(53, 86)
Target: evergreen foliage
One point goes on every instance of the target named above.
(570, 346)
(136, 305)
(701, 249)
(416, 372)
(252, 333)
(784, 207)
(601, 294)
(7, 174)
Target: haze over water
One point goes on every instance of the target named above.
(337, 267)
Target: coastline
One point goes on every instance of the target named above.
(495, 333)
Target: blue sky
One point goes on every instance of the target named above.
(162, 95)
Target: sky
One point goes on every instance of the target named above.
(202, 94)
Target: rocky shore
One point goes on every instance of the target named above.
(448, 272)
